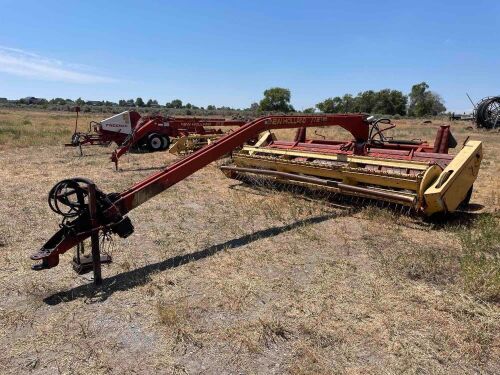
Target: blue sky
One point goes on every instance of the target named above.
(229, 52)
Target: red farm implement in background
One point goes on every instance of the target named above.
(151, 133)
(413, 174)
(113, 129)
(155, 133)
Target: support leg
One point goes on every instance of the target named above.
(94, 238)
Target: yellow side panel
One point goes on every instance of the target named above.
(451, 187)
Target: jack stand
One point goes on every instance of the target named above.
(84, 263)
(94, 238)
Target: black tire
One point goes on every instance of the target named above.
(155, 142)
(465, 203)
(165, 142)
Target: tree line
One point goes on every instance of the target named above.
(419, 102)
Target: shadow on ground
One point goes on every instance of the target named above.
(457, 219)
(141, 276)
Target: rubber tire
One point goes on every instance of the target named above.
(155, 142)
(465, 203)
(165, 142)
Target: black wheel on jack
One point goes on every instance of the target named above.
(165, 142)
(155, 142)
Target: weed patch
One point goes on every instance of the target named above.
(480, 263)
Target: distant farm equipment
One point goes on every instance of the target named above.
(461, 117)
(130, 131)
(415, 174)
(487, 113)
(155, 133)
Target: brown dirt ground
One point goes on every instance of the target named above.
(222, 278)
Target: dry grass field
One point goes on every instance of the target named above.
(224, 278)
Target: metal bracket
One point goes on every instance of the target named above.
(84, 263)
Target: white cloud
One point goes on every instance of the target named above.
(31, 65)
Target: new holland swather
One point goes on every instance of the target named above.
(415, 174)
(150, 133)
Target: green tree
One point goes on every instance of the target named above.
(276, 99)
(176, 103)
(331, 105)
(385, 101)
(390, 102)
(424, 102)
(309, 110)
(80, 101)
(437, 101)
(59, 101)
(366, 101)
(254, 107)
(139, 102)
(349, 104)
(418, 105)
